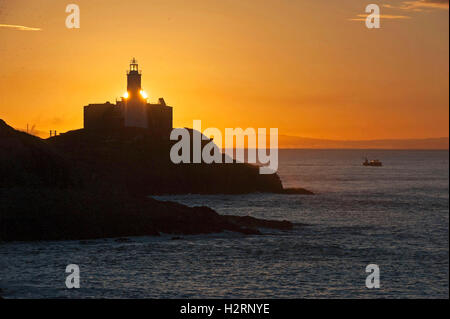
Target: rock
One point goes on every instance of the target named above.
(28, 161)
(129, 159)
(52, 214)
(296, 191)
(141, 165)
(87, 185)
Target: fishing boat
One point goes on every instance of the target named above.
(372, 163)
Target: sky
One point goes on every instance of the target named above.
(308, 68)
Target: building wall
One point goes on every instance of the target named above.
(156, 117)
(136, 113)
(102, 116)
(160, 118)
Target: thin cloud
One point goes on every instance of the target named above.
(362, 17)
(410, 6)
(19, 27)
(420, 5)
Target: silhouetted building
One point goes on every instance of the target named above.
(132, 111)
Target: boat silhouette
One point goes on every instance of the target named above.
(372, 162)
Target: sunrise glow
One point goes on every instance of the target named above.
(143, 94)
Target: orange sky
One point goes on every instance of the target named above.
(302, 66)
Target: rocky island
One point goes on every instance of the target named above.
(86, 184)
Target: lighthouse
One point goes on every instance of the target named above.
(132, 110)
(135, 99)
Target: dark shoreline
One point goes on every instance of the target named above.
(95, 184)
(52, 214)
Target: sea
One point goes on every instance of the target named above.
(395, 217)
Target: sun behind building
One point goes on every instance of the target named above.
(133, 110)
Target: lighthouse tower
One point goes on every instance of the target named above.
(135, 107)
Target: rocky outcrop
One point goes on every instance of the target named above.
(296, 191)
(139, 162)
(87, 184)
(28, 161)
(51, 214)
(130, 159)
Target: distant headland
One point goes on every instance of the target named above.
(441, 143)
